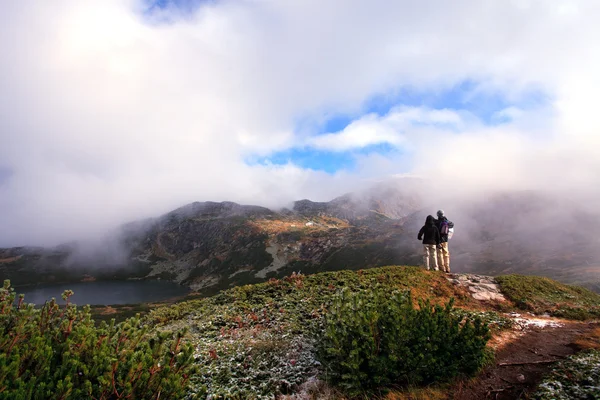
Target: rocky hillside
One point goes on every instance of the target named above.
(209, 246)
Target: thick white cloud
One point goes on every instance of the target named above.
(390, 129)
(108, 113)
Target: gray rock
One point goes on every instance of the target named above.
(483, 288)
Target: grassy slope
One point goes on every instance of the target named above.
(255, 340)
(302, 295)
(544, 295)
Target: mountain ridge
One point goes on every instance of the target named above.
(214, 245)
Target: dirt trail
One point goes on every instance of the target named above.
(522, 363)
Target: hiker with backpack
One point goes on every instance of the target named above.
(431, 240)
(446, 228)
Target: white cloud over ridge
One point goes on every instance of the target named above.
(108, 114)
(390, 129)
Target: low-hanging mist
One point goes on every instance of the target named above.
(115, 111)
(208, 246)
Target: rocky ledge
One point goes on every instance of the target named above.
(481, 287)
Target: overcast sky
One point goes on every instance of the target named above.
(113, 110)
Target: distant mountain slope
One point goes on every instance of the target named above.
(211, 246)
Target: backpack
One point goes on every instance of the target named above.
(444, 228)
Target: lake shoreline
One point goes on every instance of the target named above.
(105, 292)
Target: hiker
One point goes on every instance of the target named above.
(431, 240)
(443, 253)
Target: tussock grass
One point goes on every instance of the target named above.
(428, 393)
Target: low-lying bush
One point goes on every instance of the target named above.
(377, 338)
(58, 353)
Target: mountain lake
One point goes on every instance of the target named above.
(105, 292)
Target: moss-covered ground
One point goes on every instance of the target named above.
(255, 341)
(577, 377)
(544, 295)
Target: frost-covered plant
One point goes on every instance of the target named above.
(494, 320)
(254, 368)
(577, 377)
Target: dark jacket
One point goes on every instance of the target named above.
(438, 224)
(429, 232)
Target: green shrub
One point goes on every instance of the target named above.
(377, 338)
(58, 353)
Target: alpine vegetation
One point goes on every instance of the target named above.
(359, 331)
(57, 353)
(377, 338)
(577, 377)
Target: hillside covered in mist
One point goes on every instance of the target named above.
(210, 245)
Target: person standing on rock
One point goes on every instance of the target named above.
(443, 253)
(431, 240)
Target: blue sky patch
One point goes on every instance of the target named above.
(184, 5)
(321, 160)
(464, 96)
(183, 8)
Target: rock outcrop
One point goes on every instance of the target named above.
(481, 287)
